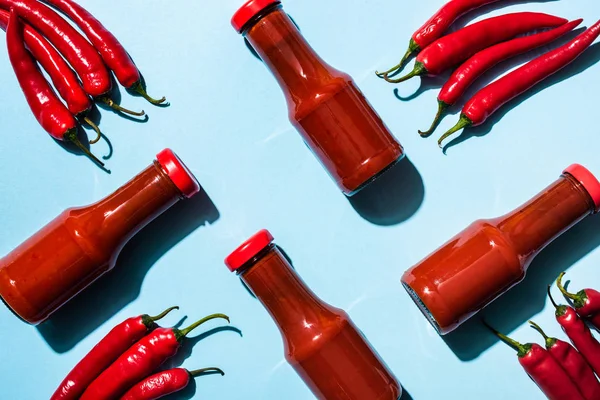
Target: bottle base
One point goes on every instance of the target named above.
(424, 309)
(374, 177)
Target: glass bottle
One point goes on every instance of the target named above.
(492, 255)
(82, 244)
(320, 341)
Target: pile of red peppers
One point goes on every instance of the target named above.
(477, 48)
(123, 364)
(80, 69)
(564, 371)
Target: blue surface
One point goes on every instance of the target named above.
(228, 122)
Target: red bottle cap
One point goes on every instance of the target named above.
(588, 181)
(248, 11)
(181, 176)
(248, 250)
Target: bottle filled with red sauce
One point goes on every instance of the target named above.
(492, 255)
(320, 341)
(82, 244)
(325, 105)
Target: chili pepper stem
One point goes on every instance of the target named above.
(522, 349)
(463, 123)
(139, 89)
(413, 47)
(560, 309)
(94, 127)
(549, 341)
(164, 313)
(418, 70)
(442, 107)
(110, 102)
(578, 299)
(203, 371)
(71, 136)
(179, 334)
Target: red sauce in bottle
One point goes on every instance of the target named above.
(492, 255)
(321, 342)
(82, 244)
(325, 105)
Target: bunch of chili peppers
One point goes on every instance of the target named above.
(122, 364)
(564, 371)
(79, 68)
(477, 48)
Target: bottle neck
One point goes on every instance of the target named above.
(547, 216)
(133, 206)
(275, 283)
(298, 69)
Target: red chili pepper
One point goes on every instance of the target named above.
(436, 27)
(457, 47)
(579, 333)
(50, 112)
(140, 361)
(545, 371)
(573, 363)
(586, 302)
(481, 62)
(115, 343)
(165, 383)
(75, 48)
(488, 100)
(64, 79)
(112, 51)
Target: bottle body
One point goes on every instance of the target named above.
(80, 245)
(332, 115)
(321, 343)
(491, 256)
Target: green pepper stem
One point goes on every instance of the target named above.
(94, 127)
(163, 314)
(198, 372)
(579, 299)
(560, 309)
(549, 341)
(71, 136)
(110, 102)
(413, 48)
(463, 122)
(418, 70)
(442, 107)
(520, 348)
(184, 332)
(139, 89)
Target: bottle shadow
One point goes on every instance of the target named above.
(393, 198)
(83, 314)
(529, 297)
(587, 60)
(405, 395)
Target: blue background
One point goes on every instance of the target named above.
(228, 122)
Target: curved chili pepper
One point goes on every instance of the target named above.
(75, 48)
(115, 343)
(64, 79)
(457, 47)
(50, 112)
(165, 383)
(573, 363)
(140, 361)
(473, 68)
(586, 302)
(435, 28)
(543, 369)
(112, 51)
(579, 333)
(488, 100)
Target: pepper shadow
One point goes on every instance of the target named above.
(587, 60)
(393, 198)
(103, 299)
(529, 297)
